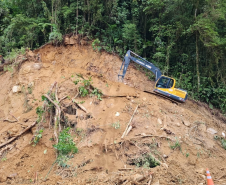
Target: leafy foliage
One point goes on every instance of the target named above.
(66, 144)
(146, 161)
(37, 137)
(39, 112)
(185, 39)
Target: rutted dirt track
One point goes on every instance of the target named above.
(103, 157)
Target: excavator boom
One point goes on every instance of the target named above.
(139, 60)
(163, 85)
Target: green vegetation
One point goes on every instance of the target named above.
(14, 53)
(3, 159)
(185, 39)
(39, 112)
(86, 89)
(98, 93)
(116, 125)
(64, 147)
(223, 143)
(222, 140)
(8, 68)
(37, 137)
(176, 145)
(146, 161)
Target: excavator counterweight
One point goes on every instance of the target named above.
(163, 85)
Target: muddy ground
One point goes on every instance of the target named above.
(175, 134)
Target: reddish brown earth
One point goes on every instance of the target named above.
(103, 157)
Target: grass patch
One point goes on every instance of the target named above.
(176, 145)
(146, 161)
(116, 125)
(36, 138)
(65, 147)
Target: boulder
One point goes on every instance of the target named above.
(159, 121)
(211, 131)
(138, 177)
(16, 89)
(186, 123)
(37, 66)
(200, 171)
(12, 175)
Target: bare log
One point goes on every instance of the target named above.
(80, 106)
(124, 133)
(13, 138)
(11, 121)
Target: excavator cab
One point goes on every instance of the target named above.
(165, 82)
(164, 85)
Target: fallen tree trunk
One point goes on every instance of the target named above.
(13, 138)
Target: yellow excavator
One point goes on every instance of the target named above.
(164, 85)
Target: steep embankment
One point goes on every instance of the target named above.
(175, 134)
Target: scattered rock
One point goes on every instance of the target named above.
(117, 114)
(168, 131)
(37, 66)
(159, 121)
(16, 89)
(200, 184)
(165, 156)
(203, 177)
(25, 120)
(26, 70)
(200, 171)
(177, 124)
(81, 117)
(144, 99)
(138, 177)
(211, 131)
(3, 177)
(186, 123)
(31, 84)
(165, 165)
(12, 175)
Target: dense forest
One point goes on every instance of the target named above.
(184, 38)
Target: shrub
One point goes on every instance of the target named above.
(66, 144)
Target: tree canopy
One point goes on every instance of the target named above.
(184, 38)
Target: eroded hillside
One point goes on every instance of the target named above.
(176, 135)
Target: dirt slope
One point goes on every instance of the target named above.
(103, 157)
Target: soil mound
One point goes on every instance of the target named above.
(167, 143)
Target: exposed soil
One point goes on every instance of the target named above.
(103, 157)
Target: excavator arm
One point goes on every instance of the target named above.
(163, 85)
(139, 60)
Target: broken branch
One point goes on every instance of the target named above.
(124, 133)
(13, 138)
(80, 106)
(57, 116)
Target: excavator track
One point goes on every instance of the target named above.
(164, 97)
